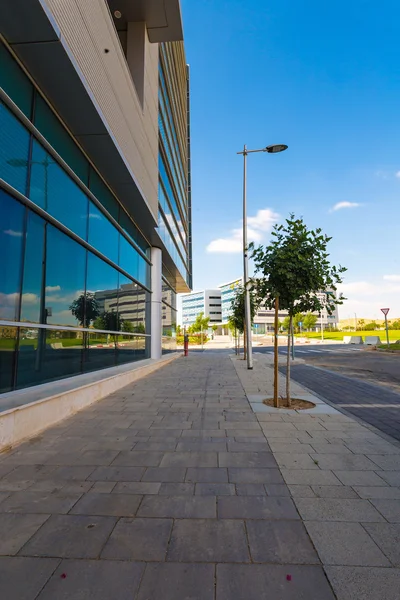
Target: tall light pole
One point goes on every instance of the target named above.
(271, 150)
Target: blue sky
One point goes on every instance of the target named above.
(324, 79)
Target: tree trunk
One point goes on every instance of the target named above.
(288, 398)
(276, 356)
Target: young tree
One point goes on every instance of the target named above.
(286, 323)
(292, 270)
(310, 320)
(297, 319)
(200, 324)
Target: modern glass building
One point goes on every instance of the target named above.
(95, 225)
(206, 302)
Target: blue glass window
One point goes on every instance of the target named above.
(33, 276)
(103, 194)
(54, 191)
(128, 258)
(102, 234)
(102, 284)
(65, 279)
(11, 239)
(14, 150)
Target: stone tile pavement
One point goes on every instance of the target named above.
(177, 487)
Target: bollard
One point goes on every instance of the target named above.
(185, 344)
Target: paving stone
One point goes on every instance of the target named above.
(200, 540)
(295, 461)
(117, 474)
(91, 457)
(178, 507)
(23, 578)
(215, 489)
(190, 459)
(136, 487)
(247, 459)
(391, 477)
(206, 475)
(30, 473)
(360, 478)
(118, 505)
(201, 433)
(378, 492)
(5, 469)
(201, 446)
(286, 447)
(250, 489)
(253, 582)
(139, 539)
(176, 489)
(16, 530)
(368, 583)
(70, 536)
(14, 486)
(163, 446)
(138, 459)
(242, 425)
(389, 508)
(387, 462)
(277, 489)
(334, 491)
(345, 544)
(39, 502)
(76, 473)
(302, 491)
(103, 487)
(165, 474)
(344, 462)
(387, 537)
(309, 477)
(248, 446)
(173, 581)
(242, 475)
(256, 507)
(321, 448)
(284, 542)
(93, 579)
(335, 509)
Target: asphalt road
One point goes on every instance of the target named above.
(364, 382)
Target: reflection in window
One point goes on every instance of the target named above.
(102, 285)
(132, 306)
(101, 352)
(103, 194)
(132, 231)
(8, 336)
(128, 258)
(54, 191)
(102, 234)
(11, 238)
(33, 261)
(65, 279)
(57, 355)
(14, 149)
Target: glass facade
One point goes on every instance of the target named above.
(192, 305)
(169, 318)
(228, 292)
(173, 217)
(75, 275)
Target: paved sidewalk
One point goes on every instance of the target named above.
(170, 489)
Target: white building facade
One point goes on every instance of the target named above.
(207, 302)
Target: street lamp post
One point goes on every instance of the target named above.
(247, 309)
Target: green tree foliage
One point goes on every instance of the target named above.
(309, 320)
(395, 324)
(237, 318)
(200, 324)
(286, 323)
(372, 326)
(294, 268)
(85, 309)
(297, 319)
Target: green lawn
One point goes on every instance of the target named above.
(390, 348)
(338, 335)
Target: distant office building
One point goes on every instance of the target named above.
(264, 317)
(207, 302)
(95, 197)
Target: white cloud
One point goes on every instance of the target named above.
(391, 277)
(93, 216)
(13, 233)
(366, 298)
(397, 174)
(257, 227)
(341, 205)
(53, 288)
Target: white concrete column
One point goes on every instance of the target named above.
(156, 300)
